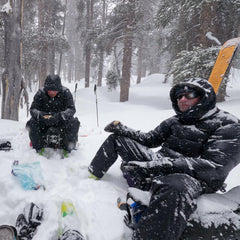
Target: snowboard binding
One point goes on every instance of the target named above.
(134, 210)
(53, 138)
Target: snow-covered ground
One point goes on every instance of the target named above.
(67, 179)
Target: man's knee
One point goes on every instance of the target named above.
(177, 183)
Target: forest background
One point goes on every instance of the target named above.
(102, 40)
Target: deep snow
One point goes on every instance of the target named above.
(95, 201)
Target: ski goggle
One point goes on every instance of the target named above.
(188, 95)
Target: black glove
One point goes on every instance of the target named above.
(114, 126)
(41, 116)
(155, 168)
(53, 120)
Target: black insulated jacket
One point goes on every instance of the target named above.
(203, 141)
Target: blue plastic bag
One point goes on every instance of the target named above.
(29, 175)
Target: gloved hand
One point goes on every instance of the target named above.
(114, 126)
(41, 116)
(163, 165)
(51, 120)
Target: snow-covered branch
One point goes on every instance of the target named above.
(211, 37)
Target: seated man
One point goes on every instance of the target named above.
(52, 113)
(198, 148)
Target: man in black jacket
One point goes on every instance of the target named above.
(198, 148)
(52, 112)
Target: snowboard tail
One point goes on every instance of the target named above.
(69, 223)
(223, 62)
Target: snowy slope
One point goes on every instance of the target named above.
(95, 201)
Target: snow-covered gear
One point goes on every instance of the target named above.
(8, 232)
(171, 204)
(134, 210)
(28, 221)
(55, 112)
(5, 145)
(198, 149)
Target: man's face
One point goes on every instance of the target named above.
(52, 93)
(187, 100)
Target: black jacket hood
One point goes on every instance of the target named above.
(53, 83)
(207, 102)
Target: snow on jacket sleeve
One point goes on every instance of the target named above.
(221, 153)
(70, 107)
(36, 106)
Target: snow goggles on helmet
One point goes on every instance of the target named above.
(188, 95)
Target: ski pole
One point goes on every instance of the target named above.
(75, 93)
(95, 91)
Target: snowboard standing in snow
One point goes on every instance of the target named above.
(69, 223)
(223, 62)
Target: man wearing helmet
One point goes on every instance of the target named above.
(199, 146)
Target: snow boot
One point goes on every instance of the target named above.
(41, 151)
(8, 232)
(65, 153)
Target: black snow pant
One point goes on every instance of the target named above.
(68, 130)
(128, 150)
(173, 195)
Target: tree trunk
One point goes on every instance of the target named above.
(100, 67)
(127, 52)
(43, 44)
(139, 66)
(208, 23)
(63, 32)
(88, 44)
(11, 78)
(116, 61)
(102, 44)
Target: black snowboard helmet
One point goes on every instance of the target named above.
(53, 83)
(207, 99)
